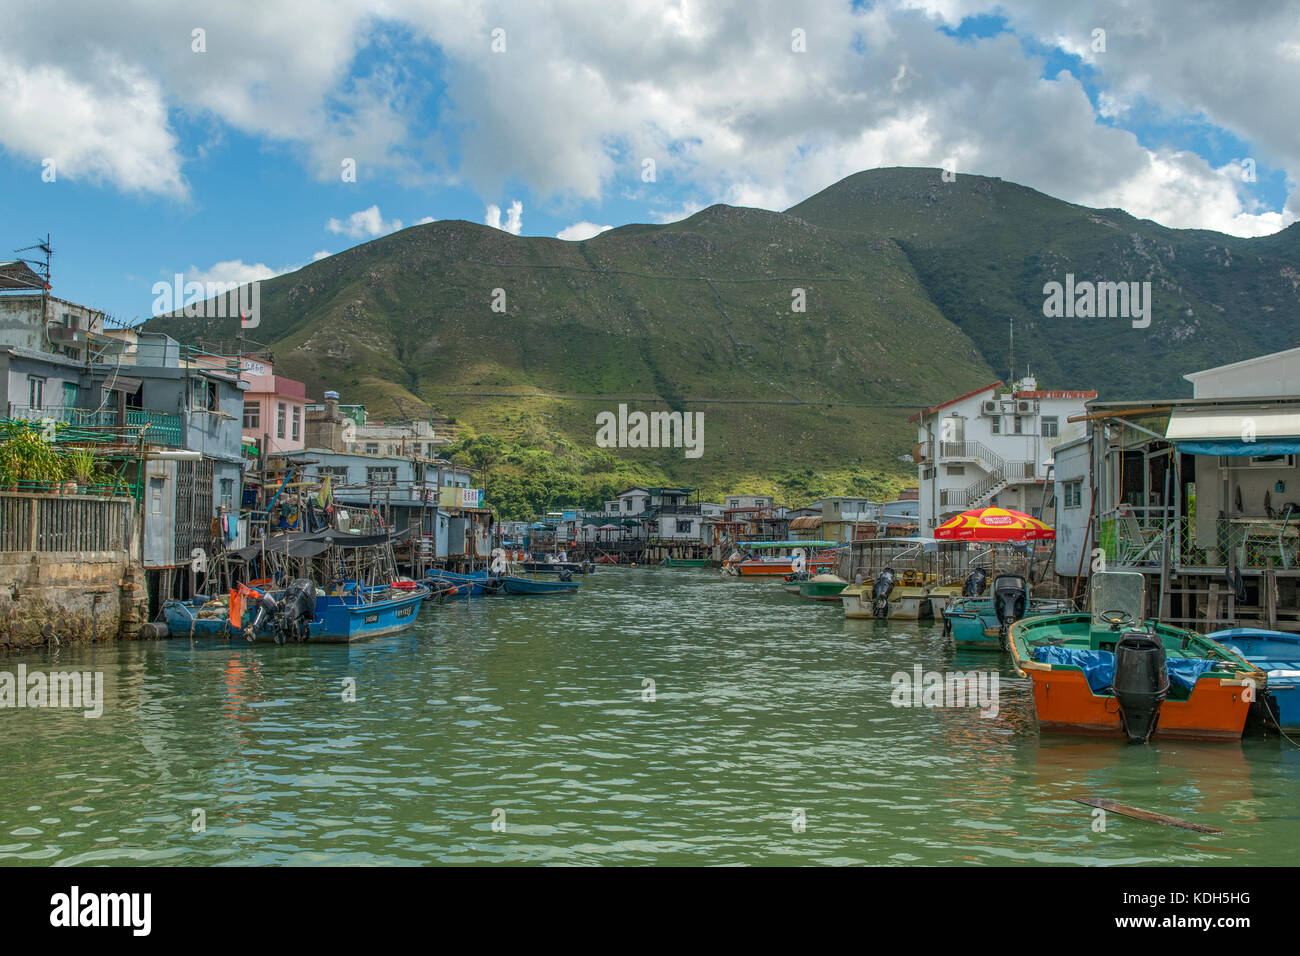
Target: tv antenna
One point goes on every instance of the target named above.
(41, 266)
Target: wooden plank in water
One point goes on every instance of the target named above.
(1112, 806)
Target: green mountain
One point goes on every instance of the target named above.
(984, 249)
(907, 284)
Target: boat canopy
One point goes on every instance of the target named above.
(756, 545)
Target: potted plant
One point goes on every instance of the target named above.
(80, 464)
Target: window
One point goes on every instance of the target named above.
(35, 391)
(372, 448)
(227, 492)
(252, 415)
(1019, 423)
(1072, 493)
(997, 425)
(281, 412)
(297, 422)
(684, 527)
(382, 477)
(1051, 426)
(956, 470)
(338, 474)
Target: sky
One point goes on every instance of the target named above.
(241, 140)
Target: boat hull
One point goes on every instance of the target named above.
(523, 586)
(906, 603)
(1278, 655)
(1215, 708)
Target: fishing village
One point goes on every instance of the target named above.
(1136, 562)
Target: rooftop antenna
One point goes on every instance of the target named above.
(1012, 357)
(42, 265)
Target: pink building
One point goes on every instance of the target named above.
(274, 407)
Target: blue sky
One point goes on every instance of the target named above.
(224, 163)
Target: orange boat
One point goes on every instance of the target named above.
(1113, 673)
(779, 558)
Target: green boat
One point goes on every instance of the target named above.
(1116, 673)
(822, 587)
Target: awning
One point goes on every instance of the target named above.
(1254, 432)
(123, 383)
(806, 523)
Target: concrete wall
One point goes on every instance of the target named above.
(1072, 537)
(69, 596)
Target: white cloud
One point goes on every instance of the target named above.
(363, 223)
(514, 217)
(581, 230)
(712, 92)
(426, 219)
(323, 254)
(110, 128)
(234, 270)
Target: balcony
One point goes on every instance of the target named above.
(86, 424)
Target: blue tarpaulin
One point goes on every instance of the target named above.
(1099, 666)
(1237, 448)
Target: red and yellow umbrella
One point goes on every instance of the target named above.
(994, 524)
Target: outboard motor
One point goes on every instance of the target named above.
(975, 583)
(565, 574)
(1141, 683)
(880, 592)
(1010, 600)
(296, 611)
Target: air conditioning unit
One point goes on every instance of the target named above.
(988, 408)
(1026, 406)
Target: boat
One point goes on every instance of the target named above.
(555, 567)
(473, 584)
(792, 581)
(893, 578)
(203, 616)
(1112, 672)
(982, 621)
(822, 587)
(517, 585)
(344, 587)
(1277, 654)
(779, 558)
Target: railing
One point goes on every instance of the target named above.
(163, 429)
(36, 522)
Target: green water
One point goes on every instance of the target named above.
(529, 712)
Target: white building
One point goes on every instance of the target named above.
(991, 447)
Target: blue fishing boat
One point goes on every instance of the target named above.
(365, 613)
(474, 584)
(512, 585)
(344, 588)
(1278, 655)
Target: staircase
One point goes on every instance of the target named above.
(998, 474)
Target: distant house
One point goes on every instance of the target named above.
(849, 519)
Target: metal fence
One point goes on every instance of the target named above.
(64, 523)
